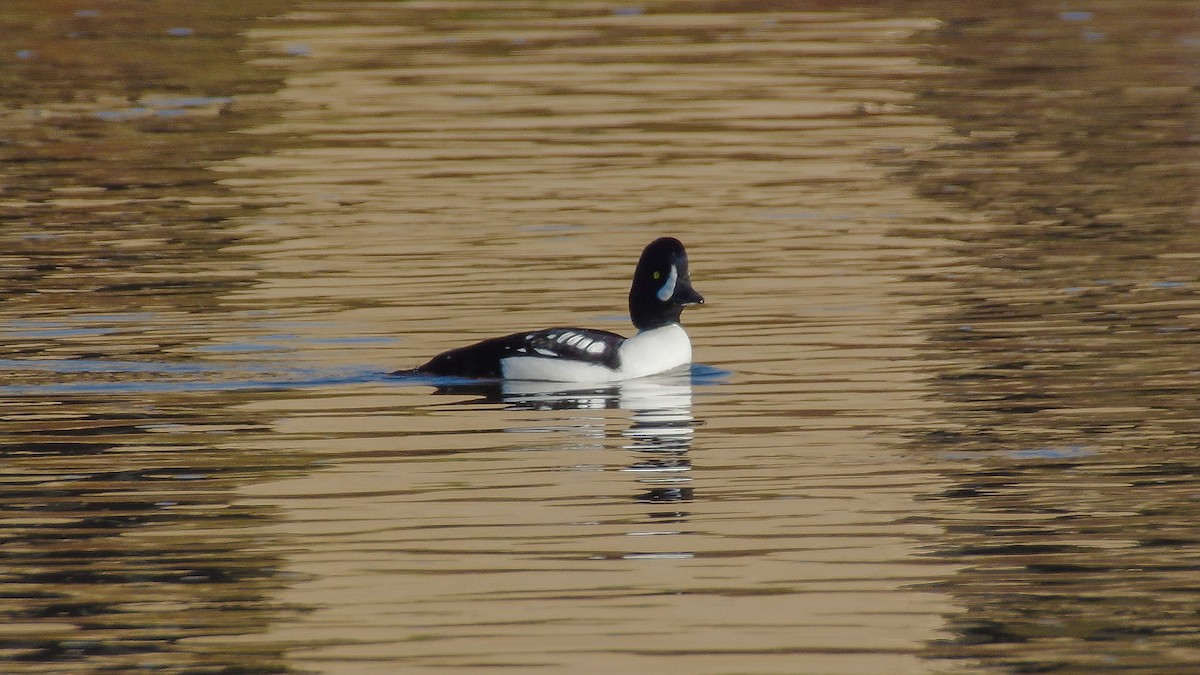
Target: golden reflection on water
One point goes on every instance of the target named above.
(946, 397)
(1077, 336)
(484, 174)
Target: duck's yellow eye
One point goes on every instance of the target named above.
(657, 276)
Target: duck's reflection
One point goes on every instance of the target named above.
(659, 435)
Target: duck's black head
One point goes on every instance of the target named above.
(661, 285)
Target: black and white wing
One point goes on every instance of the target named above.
(483, 359)
(599, 347)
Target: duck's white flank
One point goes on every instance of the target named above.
(647, 353)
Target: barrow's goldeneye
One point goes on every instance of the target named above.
(661, 289)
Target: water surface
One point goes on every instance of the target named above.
(943, 408)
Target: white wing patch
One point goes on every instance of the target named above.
(567, 338)
(668, 287)
(573, 339)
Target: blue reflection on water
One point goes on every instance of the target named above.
(206, 376)
(104, 366)
(706, 375)
(1064, 452)
(203, 376)
(49, 332)
(1049, 452)
(163, 107)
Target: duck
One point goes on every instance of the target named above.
(661, 289)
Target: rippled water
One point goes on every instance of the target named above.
(944, 409)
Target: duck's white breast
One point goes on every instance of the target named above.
(655, 351)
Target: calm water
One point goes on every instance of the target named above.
(944, 416)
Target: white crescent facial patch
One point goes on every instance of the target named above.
(668, 287)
